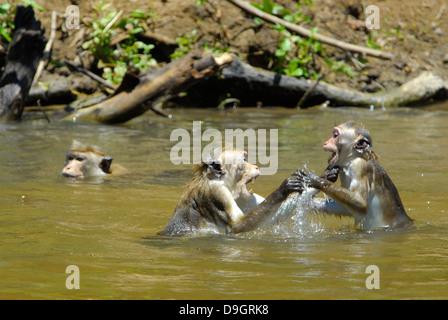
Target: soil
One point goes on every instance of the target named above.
(415, 31)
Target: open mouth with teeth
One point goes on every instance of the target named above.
(332, 157)
(251, 180)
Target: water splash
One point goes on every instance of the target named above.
(294, 218)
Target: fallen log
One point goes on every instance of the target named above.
(24, 52)
(252, 85)
(176, 77)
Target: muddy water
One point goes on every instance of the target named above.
(108, 228)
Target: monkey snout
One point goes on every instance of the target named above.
(68, 175)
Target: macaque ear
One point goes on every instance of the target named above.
(105, 164)
(362, 144)
(216, 168)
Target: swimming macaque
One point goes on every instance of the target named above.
(217, 199)
(83, 161)
(366, 192)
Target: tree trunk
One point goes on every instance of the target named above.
(252, 85)
(24, 53)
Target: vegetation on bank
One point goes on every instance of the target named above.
(114, 43)
(110, 43)
(7, 13)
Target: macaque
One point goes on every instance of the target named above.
(83, 161)
(217, 199)
(366, 192)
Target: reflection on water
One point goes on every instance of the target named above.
(108, 228)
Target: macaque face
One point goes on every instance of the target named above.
(348, 141)
(83, 161)
(237, 173)
(242, 173)
(74, 165)
(85, 164)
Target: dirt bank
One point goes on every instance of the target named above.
(414, 31)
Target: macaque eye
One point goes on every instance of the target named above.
(335, 133)
(80, 159)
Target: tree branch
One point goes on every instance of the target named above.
(307, 33)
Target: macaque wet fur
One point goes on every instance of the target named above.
(366, 192)
(217, 199)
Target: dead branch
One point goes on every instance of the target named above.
(91, 75)
(47, 51)
(307, 92)
(171, 80)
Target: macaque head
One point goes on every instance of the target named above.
(348, 141)
(84, 161)
(233, 170)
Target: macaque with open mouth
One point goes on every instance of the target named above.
(217, 198)
(366, 192)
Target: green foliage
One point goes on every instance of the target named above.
(33, 4)
(295, 54)
(199, 2)
(114, 60)
(280, 11)
(6, 18)
(340, 66)
(217, 48)
(184, 44)
(7, 13)
(371, 41)
(296, 65)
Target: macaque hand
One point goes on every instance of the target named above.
(291, 185)
(331, 174)
(307, 179)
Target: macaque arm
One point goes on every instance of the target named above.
(353, 201)
(255, 217)
(266, 209)
(329, 206)
(230, 209)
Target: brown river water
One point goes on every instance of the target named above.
(108, 229)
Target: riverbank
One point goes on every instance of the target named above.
(412, 31)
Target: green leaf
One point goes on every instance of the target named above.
(268, 6)
(139, 14)
(136, 30)
(258, 20)
(5, 33)
(285, 44)
(4, 7)
(277, 9)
